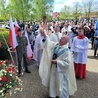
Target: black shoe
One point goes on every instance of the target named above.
(92, 48)
(20, 74)
(94, 56)
(57, 97)
(27, 71)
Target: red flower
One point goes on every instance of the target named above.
(6, 60)
(18, 86)
(3, 78)
(0, 62)
(11, 69)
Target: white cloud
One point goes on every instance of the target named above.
(71, 2)
(58, 7)
(59, 4)
(59, 1)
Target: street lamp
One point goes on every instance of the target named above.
(31, 13)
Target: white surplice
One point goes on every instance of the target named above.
(55, 37)
(38, 48)
(61, 80)
(80, 46)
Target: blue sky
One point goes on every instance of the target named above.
(59, 4)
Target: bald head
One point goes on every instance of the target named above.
(64, 40)
(42, 32)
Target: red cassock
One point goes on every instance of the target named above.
(80, 70)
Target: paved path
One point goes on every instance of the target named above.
(87, 88)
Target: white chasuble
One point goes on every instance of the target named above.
(60, 77)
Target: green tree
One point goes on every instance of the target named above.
(87, 8)
(76, 10)
(19, 8)
(3, 9)
(42, 8)
(65, 13)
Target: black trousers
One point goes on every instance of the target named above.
(95, 49)
(92, 43)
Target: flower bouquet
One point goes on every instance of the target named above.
(9, 82)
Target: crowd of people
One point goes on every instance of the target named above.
(60, 49)
(66, 27)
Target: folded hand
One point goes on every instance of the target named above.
(54, 61)
(75, 53)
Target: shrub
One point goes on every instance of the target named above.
(4, 54)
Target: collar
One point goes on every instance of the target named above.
(57, 32)
(81, 36)
(64, 46)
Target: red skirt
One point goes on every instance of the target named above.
(80, 70)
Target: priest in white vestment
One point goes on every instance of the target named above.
(80, 50)
(38, 48)
(56, 69)
(56, 36)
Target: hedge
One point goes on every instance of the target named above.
(4, 54)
